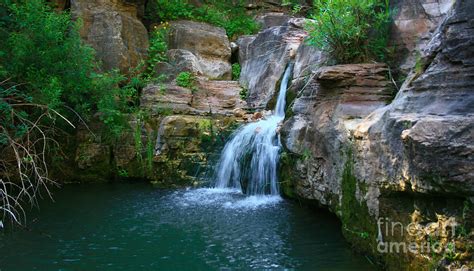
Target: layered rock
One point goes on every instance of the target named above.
(333, 102)
(204, 47)
(209, 97)
(112, 28)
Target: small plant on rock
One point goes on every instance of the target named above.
(236, 71)
(185, 79)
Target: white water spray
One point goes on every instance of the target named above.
(249, 160)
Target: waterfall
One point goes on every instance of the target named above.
(249, 160)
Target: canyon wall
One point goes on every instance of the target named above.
(410, 160)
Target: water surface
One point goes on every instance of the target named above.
(138, 227)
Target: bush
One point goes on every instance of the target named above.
(231, 16)
(49, 81)
(235, 71)
(41, 49)
(158, 48)
(351, 30)
(185, 80)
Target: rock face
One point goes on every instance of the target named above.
(414, 23)
(112, 28)
(264, 57)
(431, 120)
(334, 101)
(209, 98)
(203, 46)
(409, 162)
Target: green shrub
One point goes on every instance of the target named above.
(158, 48)
(244, 93)
(42, 51)
(350, 30)
(185, 80)
(235, 71)
(231, 15)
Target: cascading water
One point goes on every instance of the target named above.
(249, 160)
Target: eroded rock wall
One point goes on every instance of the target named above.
(409, 162)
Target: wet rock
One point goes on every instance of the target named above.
(263, 59)
(334, 101)
(239, 112)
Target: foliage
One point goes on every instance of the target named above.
(24, 142)
(294, 6)
(235, 71)
(231, 15)
(244, 93)
(350, 30)
(185, 80)
(158, 47)
(43, 51)
(49, 81)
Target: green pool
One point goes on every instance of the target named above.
(138, 227)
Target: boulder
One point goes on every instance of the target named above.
(184, 61)
(430, 124)
(112, 28)
(308, 59)
(209, 44)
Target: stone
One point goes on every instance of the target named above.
(184, 61)
(307, 60)
(239, 113)
(430, 123)
(414, 22)
(208, 43)
(257, 115)
(112, 28)
(271, 19)
(208, 97)
(263, 58)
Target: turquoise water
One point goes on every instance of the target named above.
(138, 227)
